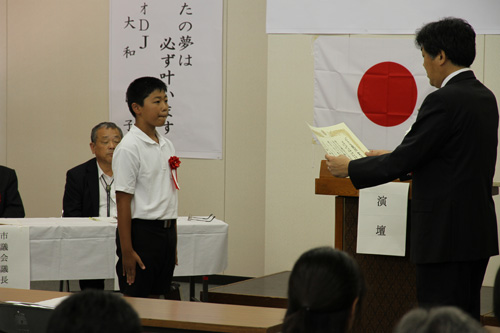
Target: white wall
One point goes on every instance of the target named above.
(492, 81)
(296, 218)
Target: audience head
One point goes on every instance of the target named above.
(445, 319)
(141, 88)
(325, 291)
(454, 36)
(94, 311)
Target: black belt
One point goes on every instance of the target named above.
(158, 223)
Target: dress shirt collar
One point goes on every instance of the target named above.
(100, 173)
(144, 137)
(452, 75)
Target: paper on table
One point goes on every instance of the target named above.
(52, 303)
(339, 140)
(29, 304)
(104, 219)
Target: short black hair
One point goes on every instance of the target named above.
(452, 35)
(94, 311)
(104, 124)
(437, 319)
(141, 88)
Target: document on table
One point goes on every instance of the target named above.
(52, 303)
(48, 304)
(339, 140)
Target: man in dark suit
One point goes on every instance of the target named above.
(89, 190)
(451, 153)
(11, 204)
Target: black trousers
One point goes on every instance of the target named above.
(452, 283)
(92, 284)
(155, 243)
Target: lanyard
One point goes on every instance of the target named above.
(107, 187)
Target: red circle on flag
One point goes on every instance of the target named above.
(387, 94)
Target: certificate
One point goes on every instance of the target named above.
(339, 140)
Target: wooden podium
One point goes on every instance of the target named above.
(390, 280)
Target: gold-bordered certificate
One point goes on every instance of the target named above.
(339, 140)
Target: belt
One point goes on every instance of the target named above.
(166, 224)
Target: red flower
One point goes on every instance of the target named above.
(174, 162)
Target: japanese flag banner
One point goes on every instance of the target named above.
(374, 85)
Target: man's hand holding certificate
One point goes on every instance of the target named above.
(341, 146)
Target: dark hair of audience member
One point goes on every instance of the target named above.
(94, 311)
(325, 292)
(444, 319)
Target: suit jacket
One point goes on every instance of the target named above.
(451, 151)
(81, 193)
(11, 204)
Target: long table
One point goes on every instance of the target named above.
(177, 316)
(83, 248)
(266, 291)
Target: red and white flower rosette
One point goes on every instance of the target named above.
(174, 164)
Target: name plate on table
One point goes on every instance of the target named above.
(14, 257)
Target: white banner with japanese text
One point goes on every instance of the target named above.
(179, 42)
(382, 219)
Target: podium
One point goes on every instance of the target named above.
(390, 280)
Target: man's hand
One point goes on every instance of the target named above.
(338, 166)
(129, 263)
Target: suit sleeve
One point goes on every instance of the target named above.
(13, 205)
(72, 199)
(422, 143)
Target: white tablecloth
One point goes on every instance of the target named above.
(82, 248)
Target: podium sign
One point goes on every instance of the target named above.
(382, 219)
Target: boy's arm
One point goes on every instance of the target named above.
(129, 257)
